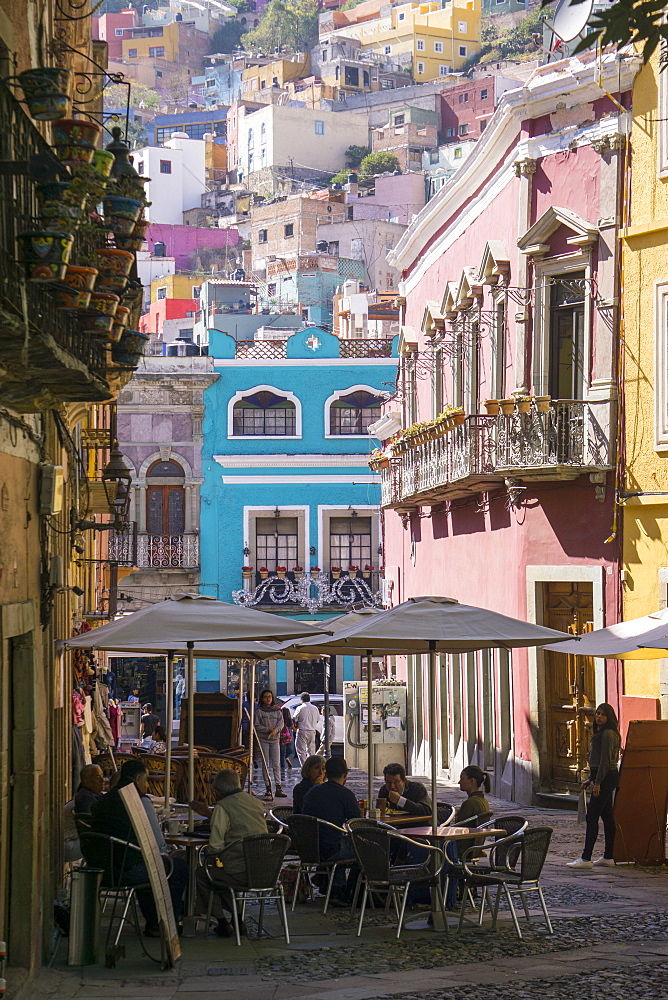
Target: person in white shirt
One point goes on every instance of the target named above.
(305, 723)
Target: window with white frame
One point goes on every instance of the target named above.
(462, 27)
(498, 359)
(420, 67)
(319, 127)
(388, 50)
(443, 70)
(567, 336)
(276, 542)
(161, 293)
(438, 46)
(662, 144)
(420, 44)
(661, 365)
(463, 51)
(350, 541)
(264, 414)
(354, 413)
(437, 380)
(402, 17)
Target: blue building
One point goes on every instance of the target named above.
(289, 507)
(196, 124)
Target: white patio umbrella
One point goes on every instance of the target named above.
(184, 623)
(621, 641)
(429, 625)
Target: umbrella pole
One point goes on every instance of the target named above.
(328, 749)
(251, 725)
(369, 727)
(432, 735)
(191, 733)
(169, 698)
(240, 704)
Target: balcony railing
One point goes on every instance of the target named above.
(571, 438)
(260, 349)
(35, 336)
(168, 551)
(366, 348)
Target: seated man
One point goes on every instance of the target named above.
(91, 783)
(110, 816)
(402, 795)
(235, 815)
(333, 802)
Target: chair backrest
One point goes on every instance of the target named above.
(444, 812)
(264, 854)
(535, 845)
(207, 765)
(104, 761)
(110, 854)
(507, 855)
(372, 849)
(305, 836)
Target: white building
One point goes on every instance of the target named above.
(177, 175)
(440, 164)
(302, 142)
(149, 267)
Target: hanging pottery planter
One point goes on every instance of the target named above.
(121, 214)
(45, 90)
(492, 407)
(136, 239)
(111, 284)
(117, 262)
(103, 162)
(507, 406)
(523, 403)
(74, 292)
(458, 419)
(130, 349)
(74, 140)
(45, 254)
(60, 216)
(99, 320)
(82, 278)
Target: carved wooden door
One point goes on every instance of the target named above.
(569, 685)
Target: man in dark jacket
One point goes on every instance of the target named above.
(110, 816)
(402, 795)
(334, 803)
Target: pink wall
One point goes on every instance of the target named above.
(164, 309)
(183, 241)
(104, 28)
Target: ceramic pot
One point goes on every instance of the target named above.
(523, 405)
(458, 419)
(111, 284)
(122, 315)
(114, 262)
(46, 92)
(116, 332)
(121, 214)
(130, 348)
(60, 216)
(68, 297)
(104, 303)
(81, 278)
(542, 403)
(45, 254)
(74, 140)
(103, 161)
(492, 407)
(507, 406)
(135, 240)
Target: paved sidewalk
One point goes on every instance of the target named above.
(610, 941)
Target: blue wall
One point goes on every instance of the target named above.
(312, 371)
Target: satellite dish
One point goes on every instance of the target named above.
(570, 18)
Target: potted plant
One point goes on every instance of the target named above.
(297, 569)
(102, 162)
(281, 571)
(368, 569)
(336, 572)
(353, 571)
(74, 140)
(246, 572)
(507, 406)
(542, 403)
(121, 214)
(492, 406)
(121, 318)
(135, 240)
(315, 571)
(61, 206)
(45, 254)
(264, 572)
(130, 349)
(523, 403)
(46, 92)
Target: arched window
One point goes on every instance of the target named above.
(165, 499)
(353, 413)
(264, 414)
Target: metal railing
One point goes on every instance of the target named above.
(360, 348)
(168, 551)
(260, 349)
(22, 147)
(572, 434)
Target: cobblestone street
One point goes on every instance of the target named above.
(611, 940)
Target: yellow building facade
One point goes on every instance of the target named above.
(179, 286)
(645, 305)
(430, 40)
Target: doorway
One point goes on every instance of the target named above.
(570, 692)
(310, 676)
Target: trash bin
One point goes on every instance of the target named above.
(84, 916)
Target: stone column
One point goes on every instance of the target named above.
(525, 168)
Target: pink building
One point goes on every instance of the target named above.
(113, 28)
(467, 108)
(183, 242)
(163, 310)
(510, 291)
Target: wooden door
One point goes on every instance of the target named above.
(165, 510)
(570, 697)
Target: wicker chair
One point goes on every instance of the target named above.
(206, 766)
(279, 816)
(104, 760)
(533, 846)
(264, 854)
(445, 813)
(373, 850)
(156, 774)
(304, 833)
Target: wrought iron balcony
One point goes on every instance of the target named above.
(573, 437)
(43, 352)
(168, 551)
(362, 348)
(311, 590)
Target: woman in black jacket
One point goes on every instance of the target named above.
(602, 781)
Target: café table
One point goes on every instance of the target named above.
(443, 836)
(191, 842)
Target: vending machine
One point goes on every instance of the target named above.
(388, 723)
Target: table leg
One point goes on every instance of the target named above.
(189, 918)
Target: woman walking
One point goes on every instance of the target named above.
(602, 781)
(268, 725)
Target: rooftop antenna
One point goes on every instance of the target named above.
(570, 18)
